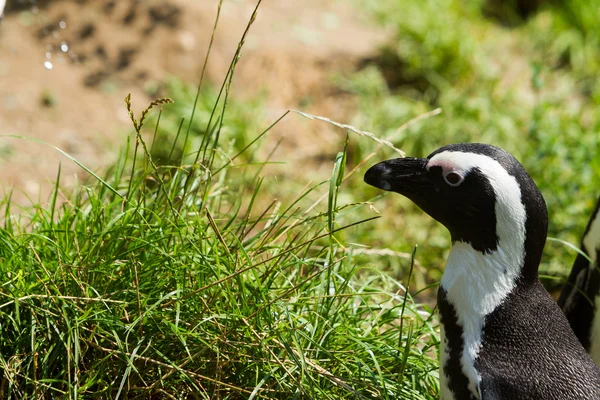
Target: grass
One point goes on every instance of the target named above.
(189, 270)
(176, 278)
(530, 88)
(134, 288)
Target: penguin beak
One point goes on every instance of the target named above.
(400, 175)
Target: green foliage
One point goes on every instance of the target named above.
(567, 36)
(185, 273)
(436, 41)
(241, 119)
(135, 290)
(185, 279)
(515, 95)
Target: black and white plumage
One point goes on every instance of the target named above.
(503, 336)
(580, 298)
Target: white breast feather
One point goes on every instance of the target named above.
(595, 333)
(591, 242)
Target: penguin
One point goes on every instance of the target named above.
(502, 334)
(580, 297)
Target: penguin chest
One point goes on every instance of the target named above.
(459, 378)
(595, 333)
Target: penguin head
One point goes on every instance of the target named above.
(479, 192)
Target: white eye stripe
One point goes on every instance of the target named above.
(453, 173)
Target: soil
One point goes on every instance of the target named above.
(65, 67)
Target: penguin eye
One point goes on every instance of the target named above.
(453, 179)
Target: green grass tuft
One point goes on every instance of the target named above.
(183, 277)
(131, 289)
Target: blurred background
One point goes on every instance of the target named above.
(65, 67)
(522, 75)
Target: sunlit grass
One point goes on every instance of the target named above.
(187, 271)
(138, 287)
(187, 278)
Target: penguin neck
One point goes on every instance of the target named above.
(477, 283)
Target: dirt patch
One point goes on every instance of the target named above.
(67, 66)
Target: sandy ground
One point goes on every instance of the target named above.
(66, 67)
